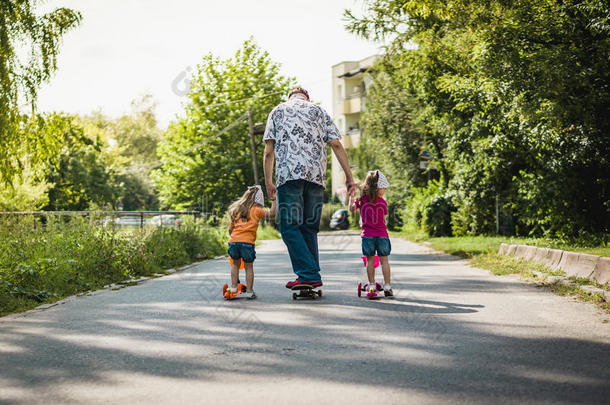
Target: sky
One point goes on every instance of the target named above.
(124, 49)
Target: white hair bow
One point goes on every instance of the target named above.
(259, 198)
(382, 182)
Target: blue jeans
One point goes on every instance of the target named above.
(299, 211)
(242, 250)
(382, 246)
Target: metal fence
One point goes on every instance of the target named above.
(137, 217)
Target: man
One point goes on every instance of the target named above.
(296, 137)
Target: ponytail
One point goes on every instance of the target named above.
(369, 188)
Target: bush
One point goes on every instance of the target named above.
(45, 259)
(429, 210)
(266, 232)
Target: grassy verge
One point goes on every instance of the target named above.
(267, 232)
(470, 246)
(42, 262)
(536, 272)
(481, 250)
(574, 290)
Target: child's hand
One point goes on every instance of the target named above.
(351, 204)
(270, 213)
(271, 191)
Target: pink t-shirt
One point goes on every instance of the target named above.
(373, 217)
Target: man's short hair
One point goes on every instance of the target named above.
(298, 90)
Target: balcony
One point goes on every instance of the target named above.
(352, 138)
(351, 105)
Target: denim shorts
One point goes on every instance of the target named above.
(382, 246)
(241, 250)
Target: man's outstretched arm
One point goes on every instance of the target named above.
(341, 155)
(268, 161)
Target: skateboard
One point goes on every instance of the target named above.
(306, 291)
(228, 295)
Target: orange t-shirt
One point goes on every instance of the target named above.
(245, 231)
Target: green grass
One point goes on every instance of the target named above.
(42, 262)
(482, 252)
(569, 290)
(267, 232)
(503, 265)
(470, 246)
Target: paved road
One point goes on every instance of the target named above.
(453, 334)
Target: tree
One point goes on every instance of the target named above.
(206, 155)
(26, 193)
(132, 141)
(137, 134)
(22, 28)
(516, 94)
(79, 175)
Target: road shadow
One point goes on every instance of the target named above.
(179, 327)
(426, 351)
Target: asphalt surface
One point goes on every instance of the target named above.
(452, 334)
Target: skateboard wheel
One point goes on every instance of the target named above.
(320, 293)
(294, 296)
(314, 296)
(243, 288)
(359, 289)
(224, 288)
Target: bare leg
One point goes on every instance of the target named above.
(235, 273)
(249, 267)
(370, 269)
(385, 268)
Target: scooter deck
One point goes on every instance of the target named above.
(362, 292)
(241, 288)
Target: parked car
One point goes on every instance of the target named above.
(129, 220)
(339, 219)
(165, 220)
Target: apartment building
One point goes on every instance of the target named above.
(350, 81)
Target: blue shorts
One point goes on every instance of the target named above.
(241, 250)
(382, 246)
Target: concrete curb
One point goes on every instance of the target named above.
(541, 255)
(578, 264)
(554, 258)
(602, 270)
(595, 268)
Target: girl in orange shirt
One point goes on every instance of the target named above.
(245, 215)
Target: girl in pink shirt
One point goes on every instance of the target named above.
(375, 238)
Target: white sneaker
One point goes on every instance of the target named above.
(387, 290)
(249, 295)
